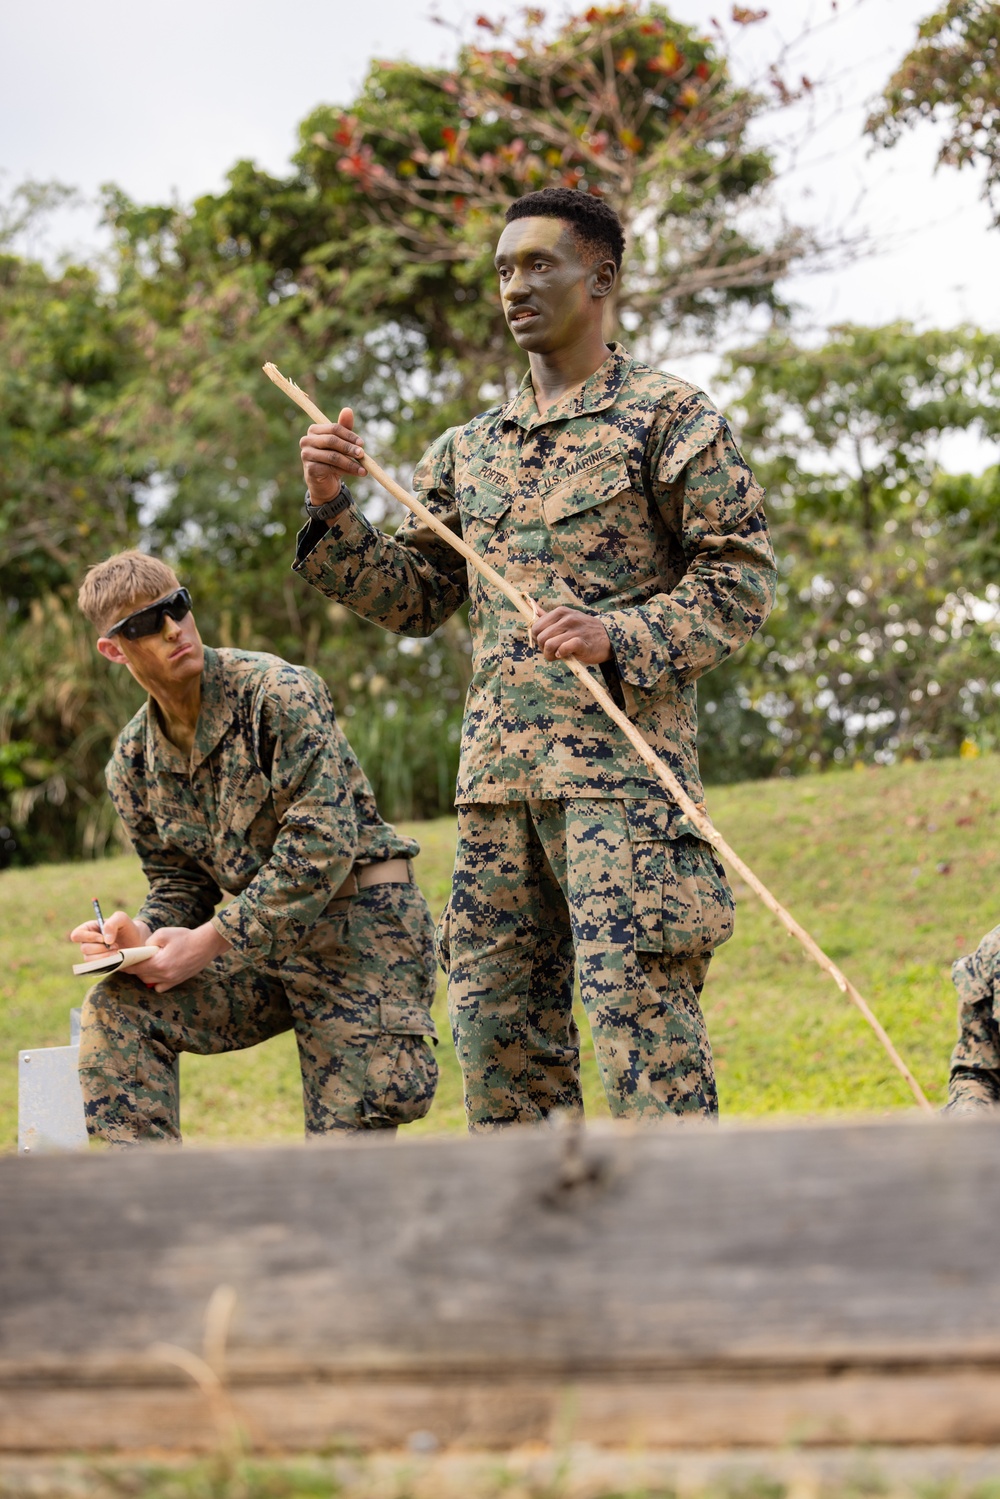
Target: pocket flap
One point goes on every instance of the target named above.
(589, 481)
(401, 1019)
(659, 820)
(485, 494)
(693, 434)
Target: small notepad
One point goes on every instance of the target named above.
(125, 957)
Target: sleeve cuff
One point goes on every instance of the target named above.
(317, 542)
(638, 654)
(308, 539)
(249, 940)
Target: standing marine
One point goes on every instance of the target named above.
(615, 496)
(235, 776)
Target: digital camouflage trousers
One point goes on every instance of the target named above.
(974, 1082)
(607, 887)
(357, 993)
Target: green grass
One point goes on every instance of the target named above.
(894, 871)
(525, 1474)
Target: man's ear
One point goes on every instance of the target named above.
(603, 276)
(112, 651)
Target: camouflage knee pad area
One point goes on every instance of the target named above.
(638, 904)
(357, 993)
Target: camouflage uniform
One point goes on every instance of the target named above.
(974, 1083)
(274, 809)
(627, 499)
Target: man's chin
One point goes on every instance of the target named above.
(189, 663)
(530, 338)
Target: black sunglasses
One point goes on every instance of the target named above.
(149, 621)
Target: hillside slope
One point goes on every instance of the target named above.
(895, 871)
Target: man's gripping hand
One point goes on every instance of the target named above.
(566, 632)
(183, 952)
(330, 450)
(119, 931)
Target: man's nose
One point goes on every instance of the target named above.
(516, 289)
(171, 629)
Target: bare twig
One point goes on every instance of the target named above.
(695, 812)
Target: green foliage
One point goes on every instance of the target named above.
(64, 483)
(132, 409)
(954, 73)
(884, 642)
(60, 709)
(622, 101)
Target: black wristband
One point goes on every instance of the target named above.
(332, 508)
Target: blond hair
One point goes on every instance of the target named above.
(115, 587)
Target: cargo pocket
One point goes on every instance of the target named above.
(682, 902)
(402, 1073)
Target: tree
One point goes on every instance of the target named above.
(954, 73)
(65, 484)
(384, 232)
(623, 101)
(885, 639)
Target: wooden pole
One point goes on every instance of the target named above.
(697, 814)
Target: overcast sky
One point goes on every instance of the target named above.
(162, 99)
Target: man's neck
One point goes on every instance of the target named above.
(553, 375)
(179, 712)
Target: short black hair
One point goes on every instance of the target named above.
(594, 222)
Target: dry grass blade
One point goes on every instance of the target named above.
(696, 813)
(208, 1373)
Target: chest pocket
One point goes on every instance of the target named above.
(482, 505)
(180, 827)
(243, 796)
(586, 488)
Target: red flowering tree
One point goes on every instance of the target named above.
(622, 101)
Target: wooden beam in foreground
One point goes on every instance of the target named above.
(684, 1287)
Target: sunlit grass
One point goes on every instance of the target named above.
(894, 871)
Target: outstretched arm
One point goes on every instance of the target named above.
(409, 583)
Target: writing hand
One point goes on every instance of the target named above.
(566, 632)
(120, 930)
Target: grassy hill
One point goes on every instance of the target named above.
(895, 871)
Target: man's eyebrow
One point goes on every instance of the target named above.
(538, 252)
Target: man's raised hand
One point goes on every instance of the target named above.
(330, 451)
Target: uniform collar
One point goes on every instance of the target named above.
(214, 717)
(595, 394)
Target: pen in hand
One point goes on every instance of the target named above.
(100, 919)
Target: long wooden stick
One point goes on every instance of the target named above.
(695, 813)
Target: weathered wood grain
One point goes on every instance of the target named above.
(681, 1287)
(956, 1407)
